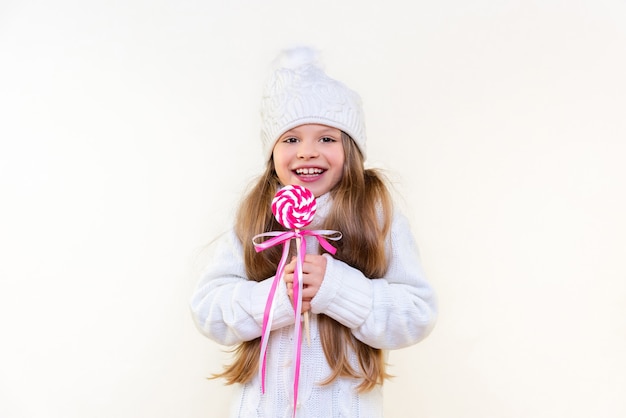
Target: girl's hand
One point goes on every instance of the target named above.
(313, 271)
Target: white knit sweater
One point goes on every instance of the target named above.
(389, 312)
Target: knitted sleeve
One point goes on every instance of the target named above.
(226, 306)
(390, 312)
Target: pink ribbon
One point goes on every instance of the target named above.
(285, 237)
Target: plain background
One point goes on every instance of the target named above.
(129, 130)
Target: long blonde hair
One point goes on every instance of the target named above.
(363, 195)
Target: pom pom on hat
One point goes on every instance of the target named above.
(299, 92)
(293, 59)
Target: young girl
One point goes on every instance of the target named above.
(371, 296)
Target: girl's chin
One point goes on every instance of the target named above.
(316, 187)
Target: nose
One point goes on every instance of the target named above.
(307, 149)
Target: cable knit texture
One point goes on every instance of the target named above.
(299, 92)
(390, 312)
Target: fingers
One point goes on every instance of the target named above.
(313, 265)
(306, 306)
(306, 300)
(308, 292)
(313, 271)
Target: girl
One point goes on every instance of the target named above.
(371, 296)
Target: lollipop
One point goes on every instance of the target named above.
(294, 208)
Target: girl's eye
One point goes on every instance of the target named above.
(327, 139)
(290, 140)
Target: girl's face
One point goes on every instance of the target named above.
(311, 156)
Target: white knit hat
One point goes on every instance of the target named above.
(299, 92)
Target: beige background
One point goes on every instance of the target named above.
(129, 129)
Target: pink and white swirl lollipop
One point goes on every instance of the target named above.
(294, 206)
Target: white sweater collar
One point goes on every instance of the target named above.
(324, 203)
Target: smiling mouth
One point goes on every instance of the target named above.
(308, 171)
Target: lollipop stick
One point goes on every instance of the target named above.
(307, 328)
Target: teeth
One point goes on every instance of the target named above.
(309, 171)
